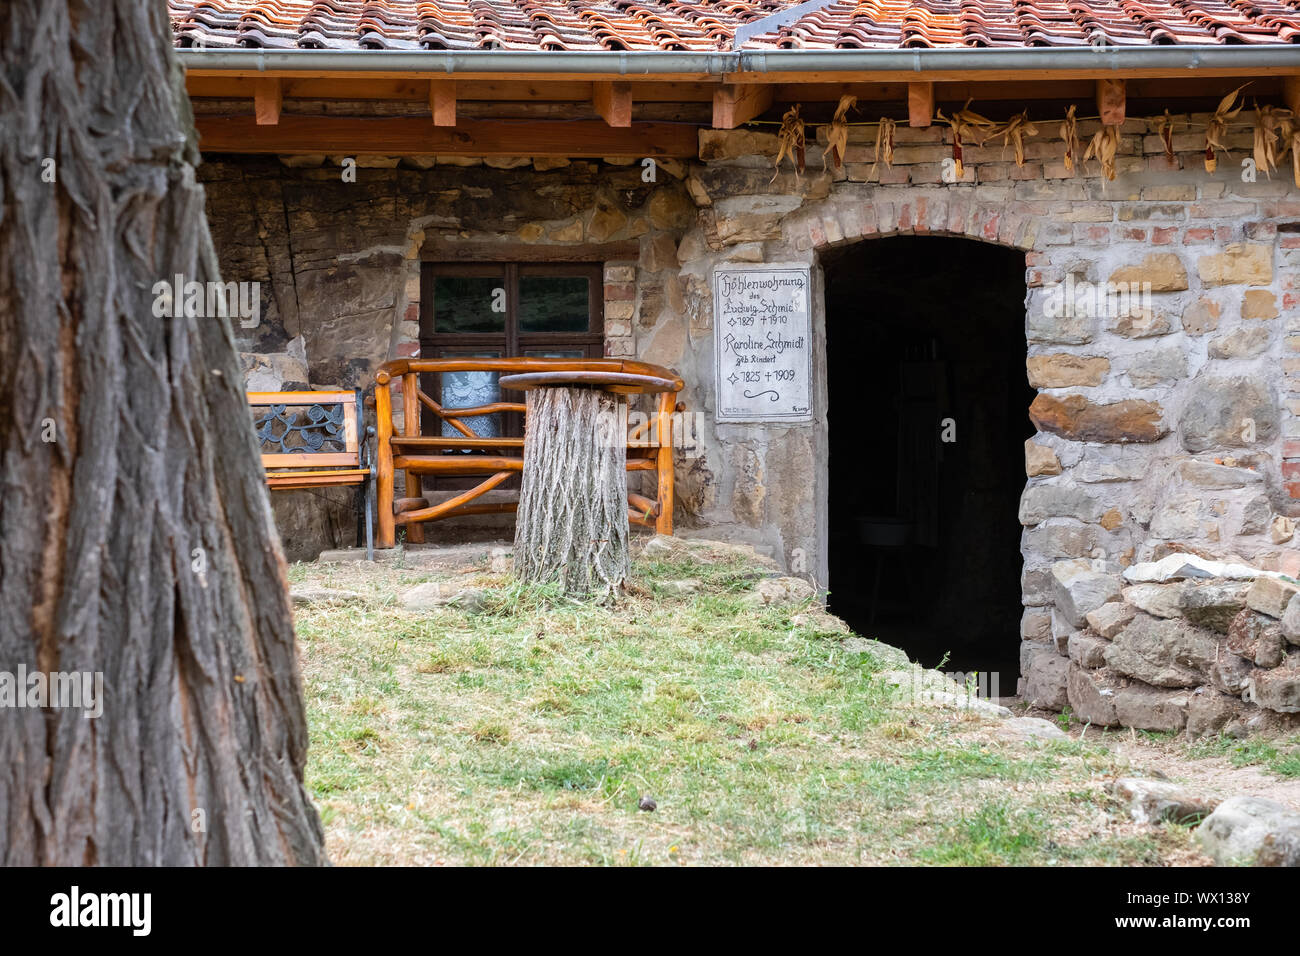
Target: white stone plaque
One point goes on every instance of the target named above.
(763, 338)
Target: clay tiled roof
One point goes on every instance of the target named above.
(708, 25)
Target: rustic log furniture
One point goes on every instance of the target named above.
(315, 440)
(649, 445)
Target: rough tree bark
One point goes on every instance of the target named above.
(138, 542)
(572, 522)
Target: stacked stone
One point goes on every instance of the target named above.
(1181, 644)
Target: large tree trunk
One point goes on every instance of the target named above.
(138, 542)
(572, 522)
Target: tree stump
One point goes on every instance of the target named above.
(572, 523)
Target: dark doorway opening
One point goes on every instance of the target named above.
(928, 415)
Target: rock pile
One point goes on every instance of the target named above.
(1180, 644)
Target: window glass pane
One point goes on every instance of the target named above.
(555, 353)
(469, 304)
(470, 389)
(554, 303)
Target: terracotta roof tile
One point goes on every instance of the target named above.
(704, 25)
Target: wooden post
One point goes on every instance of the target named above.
(667, 401)
(384, 461)
(411, 429)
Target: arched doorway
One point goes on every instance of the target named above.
(928, 399)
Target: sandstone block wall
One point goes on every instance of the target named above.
(1168, 421)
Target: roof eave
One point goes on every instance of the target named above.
(1039, 60)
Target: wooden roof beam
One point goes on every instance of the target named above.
(613, 102)
(414, 136)
(1111, 102)
(268, 98)
(920, 104)
(733, 105)
(442, 102)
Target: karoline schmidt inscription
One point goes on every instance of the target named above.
(763, 343)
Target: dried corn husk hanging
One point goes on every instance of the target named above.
(1218, 128)
(966, 123)
(837, 134)
(790, 139)
(1270, 148)
(1104, 145)
(1291, 140)
(884, 144)
(1165, 130)
(1070, 135)
(1014, 132)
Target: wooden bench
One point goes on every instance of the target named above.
(315, 440)
(497, 459)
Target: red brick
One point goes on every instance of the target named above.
(1291, 470)
(1290, 242)
(619, 291)
(905, 217)
(1199, 234)
(1097, 233)
(1138, 235)
(1293, 489)
(1291, 448)
(413, 312)
(922, 223)
(408, 349)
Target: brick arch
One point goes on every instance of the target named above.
(843, 219)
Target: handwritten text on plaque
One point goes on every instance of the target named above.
(764, 343)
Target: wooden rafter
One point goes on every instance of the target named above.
(442, 102)
(733, 105)
(1111, 102)
(268, 97)
(920, 104)
(613, 102)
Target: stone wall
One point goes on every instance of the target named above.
(1170, 423)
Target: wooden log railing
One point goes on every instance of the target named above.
(649, 444)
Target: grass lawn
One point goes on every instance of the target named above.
(526, 733)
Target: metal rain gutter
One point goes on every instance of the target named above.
(916, 60)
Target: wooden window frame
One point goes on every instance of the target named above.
(512, 342)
